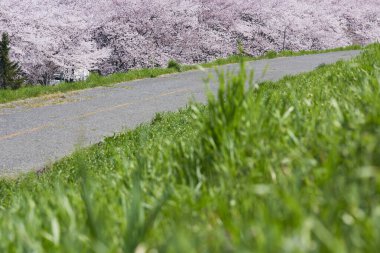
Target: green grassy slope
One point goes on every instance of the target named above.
(291, 166)
(96, 80)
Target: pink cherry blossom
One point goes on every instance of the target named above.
(119, 35)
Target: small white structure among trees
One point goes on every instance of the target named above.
(75, 74)
(48, 73)
(68, 75)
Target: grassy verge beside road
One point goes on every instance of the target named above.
(96, 80)
(290, 166)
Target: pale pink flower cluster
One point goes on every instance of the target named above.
(117, 35)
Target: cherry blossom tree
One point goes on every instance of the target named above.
(119, 35)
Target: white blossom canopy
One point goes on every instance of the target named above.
(117, 35)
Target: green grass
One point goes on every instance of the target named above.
(290, 166)
(96, 80)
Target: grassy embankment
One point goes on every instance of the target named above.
(97, 80)
(291, 166)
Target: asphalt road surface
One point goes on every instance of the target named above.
(37, 132)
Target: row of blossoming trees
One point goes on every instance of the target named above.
(119, 35)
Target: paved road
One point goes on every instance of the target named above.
(37, 132)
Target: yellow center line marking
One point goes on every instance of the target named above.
(85, 115)
(23, 132)
(112, 108)
(108, 109)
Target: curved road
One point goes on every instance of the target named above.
(36, 132)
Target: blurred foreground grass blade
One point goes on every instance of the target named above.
(139, 220)
(94, 223)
